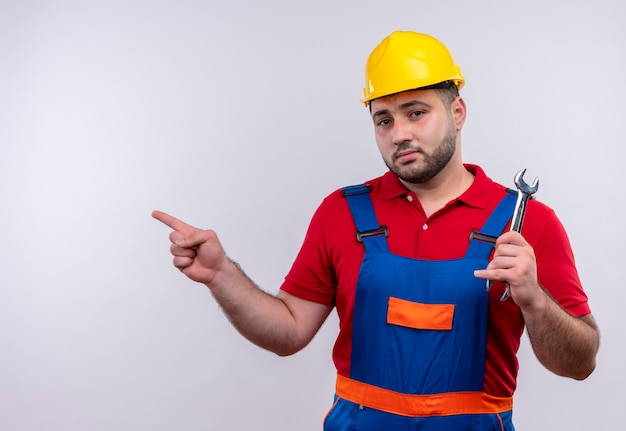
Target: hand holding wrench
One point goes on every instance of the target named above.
(524, 192)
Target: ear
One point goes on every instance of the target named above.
(459, 111)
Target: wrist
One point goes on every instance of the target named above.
(228, 274)
(536, 305)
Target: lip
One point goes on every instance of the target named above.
(406, 156)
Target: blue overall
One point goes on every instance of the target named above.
(419, 332)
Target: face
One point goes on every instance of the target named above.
(416, 133)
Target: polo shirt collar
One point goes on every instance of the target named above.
(477, 195)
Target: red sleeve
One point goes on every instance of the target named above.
(311, 276)
(556, 267)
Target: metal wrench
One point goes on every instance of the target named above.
(524, 192)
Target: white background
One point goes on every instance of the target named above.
(241, 116)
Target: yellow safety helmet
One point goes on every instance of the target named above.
(406, 60)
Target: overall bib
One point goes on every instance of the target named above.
(419, 337)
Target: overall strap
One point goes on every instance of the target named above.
(493, 227)
(369, 231)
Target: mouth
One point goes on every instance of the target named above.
(406, 156)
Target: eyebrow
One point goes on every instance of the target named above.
(405, 105)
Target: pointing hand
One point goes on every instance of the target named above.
(197, 253)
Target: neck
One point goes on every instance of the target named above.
(449, 184)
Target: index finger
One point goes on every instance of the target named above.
(170, 221)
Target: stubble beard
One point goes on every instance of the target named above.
(432, 163)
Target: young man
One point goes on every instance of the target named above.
(423, 344)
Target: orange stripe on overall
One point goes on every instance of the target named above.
(452, 403)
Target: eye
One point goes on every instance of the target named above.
(384, 122)
(415, 114)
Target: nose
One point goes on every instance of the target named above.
(401, 132)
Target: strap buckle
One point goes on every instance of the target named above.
(482, 237)
(356, 190)
(365, 234)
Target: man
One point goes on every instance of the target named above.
(423, 344)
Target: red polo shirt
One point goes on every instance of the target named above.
(327, 266)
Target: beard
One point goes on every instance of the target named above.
(433, 163)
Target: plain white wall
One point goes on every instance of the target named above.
(241, 116)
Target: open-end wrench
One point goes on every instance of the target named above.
(524, 192)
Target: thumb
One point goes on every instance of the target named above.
(196, 238)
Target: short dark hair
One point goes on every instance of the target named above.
(447, 90)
